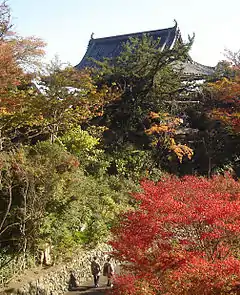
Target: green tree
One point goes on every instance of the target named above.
(150, 80)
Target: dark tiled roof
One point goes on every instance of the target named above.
(112, 46)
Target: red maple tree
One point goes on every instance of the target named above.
(183, 238)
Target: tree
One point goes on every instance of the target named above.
(16, 53)
(18, 57)
(220, 117)
(30, 180)
(225, 92)
(67, 98)
(58, 101)
(53, 174)
(227, 103)
(150, 82)
(183, 238)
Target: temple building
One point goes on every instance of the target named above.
(110, 47)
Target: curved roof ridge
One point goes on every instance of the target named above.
(110, 47)
(126, 36)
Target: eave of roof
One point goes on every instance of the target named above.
(194, 69)
(110, 47)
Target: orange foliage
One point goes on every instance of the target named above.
(181, 150)
(166, 129)
(153, 115)
(228, 117)
(227, 90)
(227, 95)
(167, 123)
(10, 73)
(157, 129)
(17, 54)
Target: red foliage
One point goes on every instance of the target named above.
(182, 239)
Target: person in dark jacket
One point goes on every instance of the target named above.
(95, 269)
(108, 271)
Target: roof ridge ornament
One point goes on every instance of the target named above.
(92, 35)
(177, 34)
(176, 24)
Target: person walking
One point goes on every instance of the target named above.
(108, 271)
(95, 269)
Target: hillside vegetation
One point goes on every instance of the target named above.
(75, 144)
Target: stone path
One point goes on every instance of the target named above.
(90, 290)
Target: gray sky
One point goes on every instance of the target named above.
(66, 25)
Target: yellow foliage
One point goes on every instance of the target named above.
(4, 111)
(180, 150)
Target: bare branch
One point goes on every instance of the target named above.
(8, 207)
